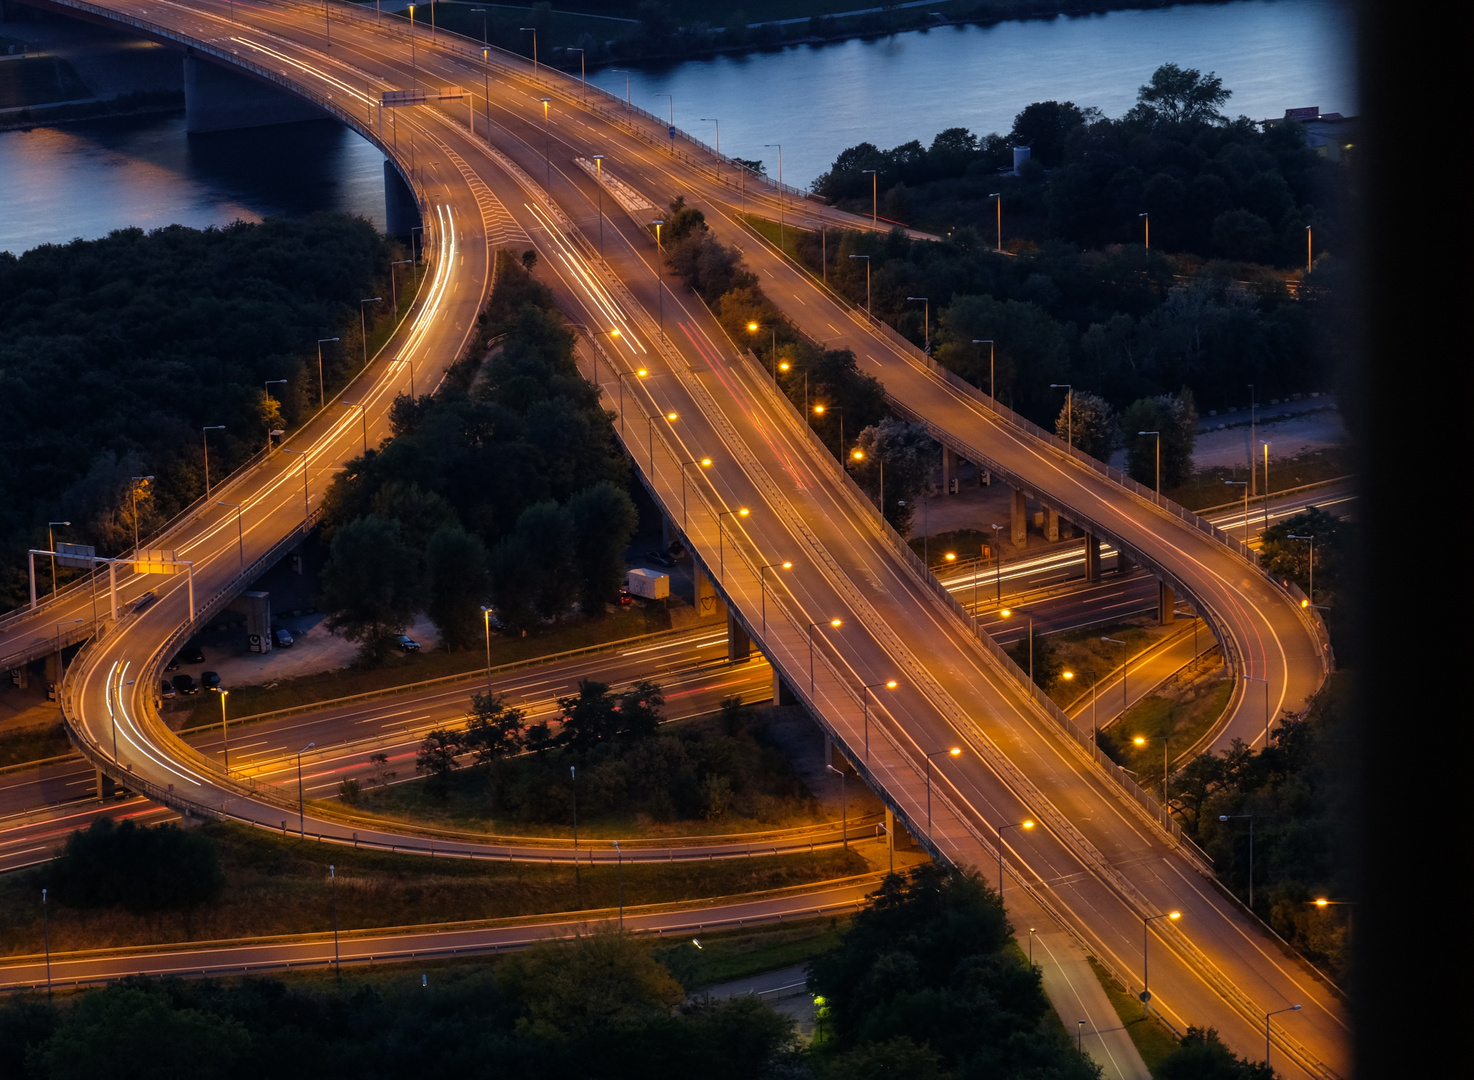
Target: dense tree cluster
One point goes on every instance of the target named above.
(928, 983)
(1212, 187)
(1298, 793)
(597, 1005)
(114, 353)
(506, 485)
(139, 869)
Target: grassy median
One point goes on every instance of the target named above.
(277, 885)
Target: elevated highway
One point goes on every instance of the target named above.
(854, 611)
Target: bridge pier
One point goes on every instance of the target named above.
(1020, 519)
(219, 100)
(106, 787)
(401, 213)
(1051, 524)
(782, 693)
(1124, 565)
(949, 471)
(1166, 604)
(739, 644)
(1092, 557)
(705, 597)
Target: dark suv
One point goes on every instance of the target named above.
(185, 684)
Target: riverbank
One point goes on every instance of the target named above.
(575, 40)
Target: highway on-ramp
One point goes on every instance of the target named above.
(854, 610)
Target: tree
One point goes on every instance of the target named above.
(604, 519)
(456, 582)
(547, 529)
(930, 961)
(1176, 418)
(1089, 419)
(1178, 95)
(1287, 558)
(496, 729)
(436, 758)
(907, 454)
(370, 585)
(1043, 127)
(131, 1030)
(1201, 1055)
(639, 710)
(588, 717)
(579, 987)
(139, 869)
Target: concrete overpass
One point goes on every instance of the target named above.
(1102, 860)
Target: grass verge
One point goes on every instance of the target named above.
(277, 885)
(1206, 489)
(400, 669)
(742, 954)
(1153, 1039)
(33, 744)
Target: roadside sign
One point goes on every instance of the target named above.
(77, 556)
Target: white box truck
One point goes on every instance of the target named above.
(649, 584)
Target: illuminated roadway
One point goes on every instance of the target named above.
(1098, 864)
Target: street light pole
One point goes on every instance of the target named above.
(301, 800)
(269, 384)
(718, 123)
(46, 930)
(1125, 665)
(143, 481)
(599, 184)
(1255, 678)
(1276, 1012)
(721, 549)
(547, 147)
(819, 410)
(532, 30)
(650, 433)
(780, 189)
(953, 752)
(992, 366)
(224, 729)
(322, 398)
(306, 505)
(889, 684)
(205, 440)
(1245, 485)
(836, 623)
(1026, 824)
(1142, 740)
(1069, 390)
(51, 543)
(337, 960)
(705, 463)
(926, 322)
(577, 875)
(638, 373)
(363, 318)
(999, 196)
(1230, 817)
(240, 530)
(874, 196)
(1289, 536)
(363, 411)
(660, 276)
(763, 587)
(1148, 220)
(619, 856)
(1007, 613)
(1146, 921)
(998, 562)
(867, 280)
(1158, 434)
(844, 811)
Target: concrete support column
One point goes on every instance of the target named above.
(1124, 565)
(1092, 557)
(1020, 519)
(782, 693)
(400, 212)
(1166, 603)
(665, 531)
(949, 470)
(739, 645)
(705, 598)
(106, 789)
(1051, 524)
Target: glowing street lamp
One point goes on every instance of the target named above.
(705, 463)
(721, 545)
(889, 684)
(836, 624)
(955, 751)
(1146, 921)
(1026, 824)
(763, 586)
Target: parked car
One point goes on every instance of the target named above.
(210, 680)
(145, 601)
(407, 643)
(166, 690)
(172, 665)
(284, 639)
(185, 684)
(625, 599)
(192, 654)
(659, 557)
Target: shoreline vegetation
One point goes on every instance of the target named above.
(684, 30)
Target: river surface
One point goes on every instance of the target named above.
(84, 180)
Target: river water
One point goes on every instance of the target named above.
(83, 180)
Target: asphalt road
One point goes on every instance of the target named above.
(852, 612)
